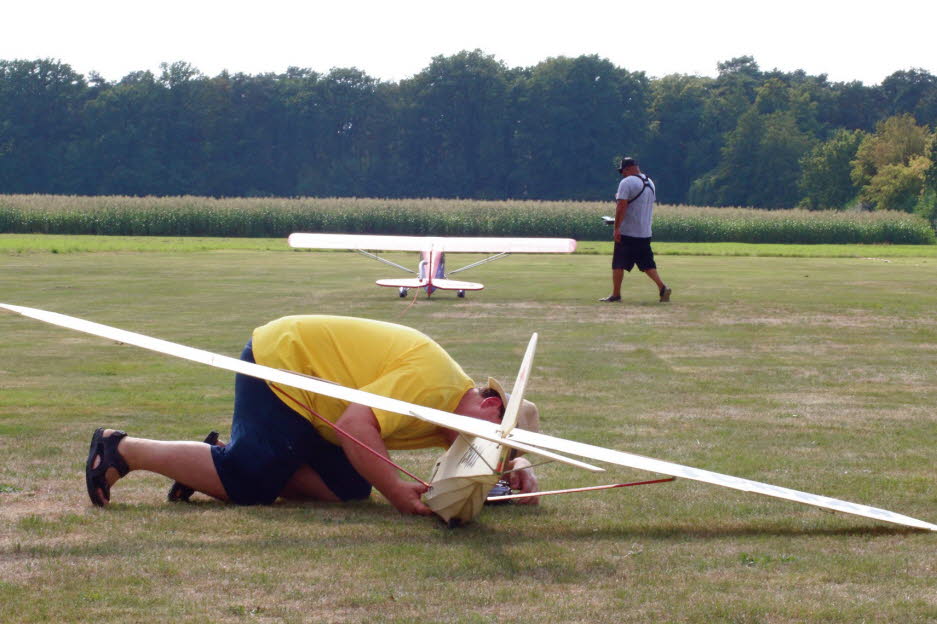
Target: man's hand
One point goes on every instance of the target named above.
(405, 497)
(617, 236)
(523, 479)
(359, 422)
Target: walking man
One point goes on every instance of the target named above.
(634, 212)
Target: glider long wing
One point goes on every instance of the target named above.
(438, 243)
(518, 438)
(639, 462)
(464, 424)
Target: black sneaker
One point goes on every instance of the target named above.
(611, 298)
(665, 294)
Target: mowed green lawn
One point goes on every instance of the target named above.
(818, 374)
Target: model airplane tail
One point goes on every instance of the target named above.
(442, 284)
(448, 284)
(404, 282)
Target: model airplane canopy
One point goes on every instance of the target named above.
(520, 439)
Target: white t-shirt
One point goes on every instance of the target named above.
(640, 212)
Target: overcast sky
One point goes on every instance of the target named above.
(857, 40)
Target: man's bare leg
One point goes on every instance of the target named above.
(306, 484)
(187, 462)
(617, 276)
(652, 273)
(662, 289)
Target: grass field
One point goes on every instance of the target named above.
(816, 372)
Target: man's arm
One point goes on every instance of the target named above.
(358, 421)
(620, 209)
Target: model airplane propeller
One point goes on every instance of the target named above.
(431, 271)
(456, 501)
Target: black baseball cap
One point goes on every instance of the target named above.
(626, 162)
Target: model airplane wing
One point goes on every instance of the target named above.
(463, 424)
(438, 243)
(639, 462)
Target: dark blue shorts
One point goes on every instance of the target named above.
(631, 251)
(270, 441)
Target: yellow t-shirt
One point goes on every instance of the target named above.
(374, 356)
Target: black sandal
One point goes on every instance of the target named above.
(181, 493)
(104, 450)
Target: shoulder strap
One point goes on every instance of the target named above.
(647, 185)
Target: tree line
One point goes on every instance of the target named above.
(468, 126)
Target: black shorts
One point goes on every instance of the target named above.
(270, 441)
(631, 251)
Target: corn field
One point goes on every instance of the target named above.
(263, 217)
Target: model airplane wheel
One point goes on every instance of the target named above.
(461, 294)
(403, 292)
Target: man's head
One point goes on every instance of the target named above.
(528, 417)
(627, 166)
(489, 402)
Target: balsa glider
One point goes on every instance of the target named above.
(431, 271)
(450, 501)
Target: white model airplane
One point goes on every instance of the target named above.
(431, 271)
(456, 489)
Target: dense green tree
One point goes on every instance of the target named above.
(40, 125)
(895, 141)
(345, 114)
(930, 178)
(855, 106)
(759, 164)
(891, 165)
(576, 115)
(735, 87)
(125, 137)
(467, 126)
(897, 186)
(913, 91)
(455, 120)
(676, 151)
(825, 180)
(927, 204)
(729, 96)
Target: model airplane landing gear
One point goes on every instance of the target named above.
(403, 292)
(461, 294)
